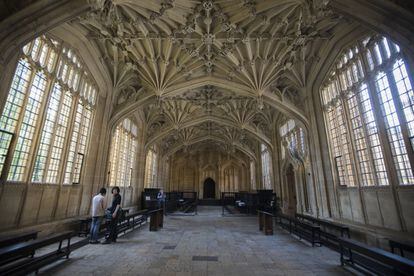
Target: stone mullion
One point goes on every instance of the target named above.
(379, 119)
(367, 140)
(403, 124)
(66, 148)
(395, 95)
(12, 147)
(275, 165)
(15, 136)
(401, 116)
(55, 126)
(259, 178)
(128, 160)
(116, 157)
(121, 159)
(42, 114)
(353, 153)
(382, 131)
(306, 164)
(38, 129)
(334, 167)
(410, 69)
(350, 136)
(81, 124)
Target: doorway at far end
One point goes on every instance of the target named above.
(209, 190)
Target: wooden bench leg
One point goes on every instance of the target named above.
(313, 238)
(153, 222)
(268, 225)
(68, 252)
(261, 223)
(161, 218)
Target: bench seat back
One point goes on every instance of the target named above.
(26, 248)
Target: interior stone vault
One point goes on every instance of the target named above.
(193, 89)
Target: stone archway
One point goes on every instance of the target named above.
(209, 188)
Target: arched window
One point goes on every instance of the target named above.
(252, 175)
(368, 106)
(47, 117)
(266, 165)
(151, 168)
(123, 154)
(295, 138)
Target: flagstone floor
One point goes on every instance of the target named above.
(206, 244)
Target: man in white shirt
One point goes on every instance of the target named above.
(98, 211)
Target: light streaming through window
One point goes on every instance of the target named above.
(372, 75)
(123, 154)
(50, 84)
(151, 168)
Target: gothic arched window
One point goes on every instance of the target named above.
(151, 168)
(369, 113)
(123, 154)
(266, 165)
(47, 117)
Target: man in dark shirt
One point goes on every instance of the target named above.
(114, 210)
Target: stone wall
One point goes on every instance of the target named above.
(230, 173)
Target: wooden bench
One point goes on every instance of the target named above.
(328, 225)
(132, 220)
(330, 230)
(84, 226)
(402, 247)
(307, 231)
(286, 222)
(300, 228)
(265, 222)
(156, 219)
(365, 258)
(13, 239)
(21, 258)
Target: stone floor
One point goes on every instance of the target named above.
(207, 244)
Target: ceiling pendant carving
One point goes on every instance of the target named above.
(231, 54)
(253, 43)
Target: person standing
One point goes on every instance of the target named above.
(98, 211)
(161, 198)
(114, 215)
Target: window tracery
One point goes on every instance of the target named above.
(123, 154)
(294, 137)
(48, 112)
(369, 113)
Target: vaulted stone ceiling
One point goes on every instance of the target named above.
(253, 44)
(202, 63)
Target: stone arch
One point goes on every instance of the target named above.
(207, 138)
(289, 196)
(283, 106)
(196, 121)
